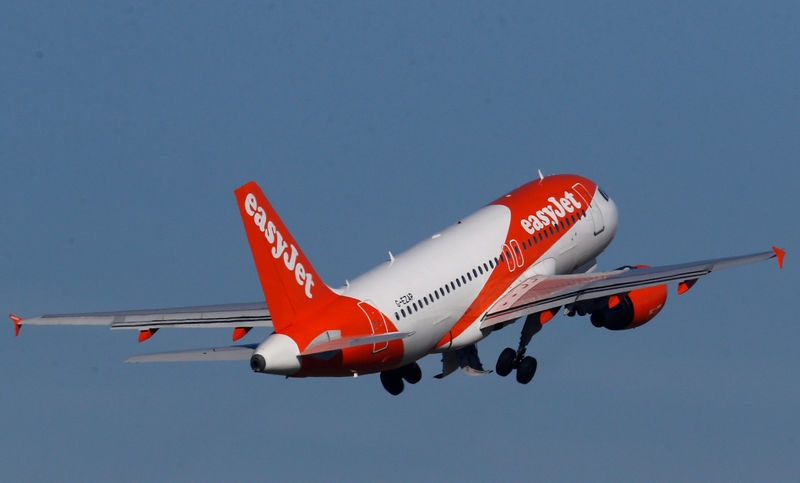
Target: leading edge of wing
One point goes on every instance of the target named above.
(208, 316)
(543, 292)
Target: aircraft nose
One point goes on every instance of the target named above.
(612, 215)
(258, 363)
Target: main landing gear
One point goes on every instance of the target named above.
(511, 359)
(392, 379)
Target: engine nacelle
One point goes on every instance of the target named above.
(630, 310)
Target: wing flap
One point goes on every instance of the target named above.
(543, 292)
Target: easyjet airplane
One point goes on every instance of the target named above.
(526, 254)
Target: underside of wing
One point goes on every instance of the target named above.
(207, 316)
(544, 292)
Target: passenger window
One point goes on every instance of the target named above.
(415, 306)
(458, 282)
(464, 279)
(480, 269)
(403, 311)
(551, 231)
(437, 294)
(485, 267)
(469, 276)
(535, 240)
(448, 288)
(397, 316)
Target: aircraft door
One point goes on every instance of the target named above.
(593, 210)
(377, 323)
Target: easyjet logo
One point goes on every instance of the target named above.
(280, 247)
(551, 214)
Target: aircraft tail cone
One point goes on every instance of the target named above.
(257, 363)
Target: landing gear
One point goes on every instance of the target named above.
(526, 370)
(411, 373)
(511, 359)
(392, 382)
(505, 363)
(392, 379)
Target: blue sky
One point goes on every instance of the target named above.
(126, 126)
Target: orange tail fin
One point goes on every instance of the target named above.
(291, 285)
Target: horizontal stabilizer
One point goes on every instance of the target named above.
(353, 341)
(229, 353)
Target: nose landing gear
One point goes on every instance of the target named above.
(511, 359)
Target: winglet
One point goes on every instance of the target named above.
(780, 254)
(17, 324)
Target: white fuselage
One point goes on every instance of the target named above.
(427, 269)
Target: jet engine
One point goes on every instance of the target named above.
(632, 309)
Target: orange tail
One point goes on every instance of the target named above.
(291, 285)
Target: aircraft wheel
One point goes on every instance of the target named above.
(526, 370)
(392, 382)
(505, 363)
(411, 373)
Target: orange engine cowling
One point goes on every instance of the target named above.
(630, 310)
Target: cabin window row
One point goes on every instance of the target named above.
(444, 290)
(481, 270)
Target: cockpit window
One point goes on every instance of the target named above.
(602, 193)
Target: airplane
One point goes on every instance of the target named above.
(526, 254)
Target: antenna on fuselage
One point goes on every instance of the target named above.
(391, 257)
(541, 176)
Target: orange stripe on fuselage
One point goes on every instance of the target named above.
(539, 202)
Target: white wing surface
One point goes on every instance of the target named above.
(543, 292)
(207, 316)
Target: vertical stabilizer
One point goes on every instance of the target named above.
(291, 285)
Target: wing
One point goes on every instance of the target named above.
(208, 316)
(543, 292)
